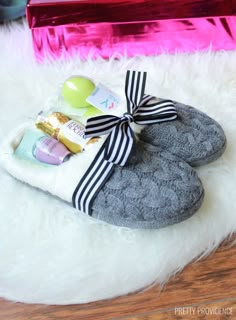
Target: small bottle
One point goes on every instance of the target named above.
(49, 150)
(38, 147)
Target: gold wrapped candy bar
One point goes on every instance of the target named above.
(67, 131)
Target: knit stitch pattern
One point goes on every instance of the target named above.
(154, 190)
(194, 136)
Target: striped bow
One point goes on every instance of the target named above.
(142, 109)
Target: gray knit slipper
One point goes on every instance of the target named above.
(154, 190)
(193, 136)
(142, 187)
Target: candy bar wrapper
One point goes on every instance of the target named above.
(69, 132)
(105, 28)
(60, 181)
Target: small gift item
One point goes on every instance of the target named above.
(67, 131)
(76, 90)
(37, 147)
(74, 97)
(119, 180)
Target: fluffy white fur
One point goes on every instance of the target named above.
(52, 254)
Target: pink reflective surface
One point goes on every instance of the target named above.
(135, 38)
(42, 13)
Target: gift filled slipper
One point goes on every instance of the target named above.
(118, 180)
(193, 136)
(155, 188)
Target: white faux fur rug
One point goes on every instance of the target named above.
(50, 253)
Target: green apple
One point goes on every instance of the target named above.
(76, 90)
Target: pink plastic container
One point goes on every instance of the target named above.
(105, 28)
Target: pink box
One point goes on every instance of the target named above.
(105, 28)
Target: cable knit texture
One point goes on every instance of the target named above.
(154, 190)
(194, 136)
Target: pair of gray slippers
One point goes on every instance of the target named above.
(158, 187)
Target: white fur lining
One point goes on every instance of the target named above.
(58, 180)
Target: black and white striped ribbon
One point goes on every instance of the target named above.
(142, 109)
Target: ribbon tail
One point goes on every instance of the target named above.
(154, 110)
(100, 125)
(135, 83)
(119, 144)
